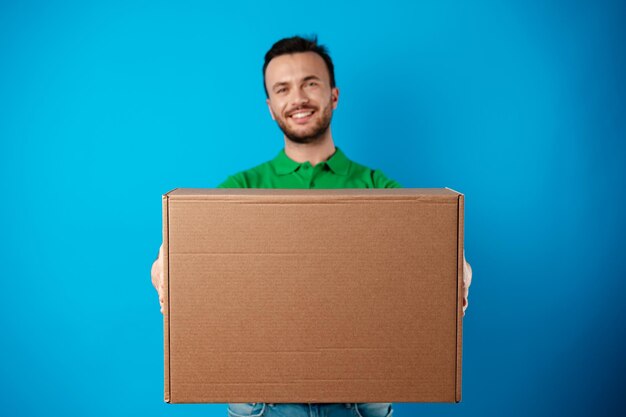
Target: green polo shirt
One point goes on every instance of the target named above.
(336, 172)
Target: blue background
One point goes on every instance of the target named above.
(518, 104)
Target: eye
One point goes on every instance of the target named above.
(281, 90)
(312, 83)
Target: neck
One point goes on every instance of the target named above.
(313, 152)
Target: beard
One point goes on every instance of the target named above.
(313, 133)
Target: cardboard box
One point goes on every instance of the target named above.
(313, 296)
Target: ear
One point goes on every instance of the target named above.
(334, 97)
(269, 106)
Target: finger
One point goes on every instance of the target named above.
(154, 274)
(467, 274)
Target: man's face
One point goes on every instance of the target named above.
(300, 97)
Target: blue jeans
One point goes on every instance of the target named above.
(310, 410)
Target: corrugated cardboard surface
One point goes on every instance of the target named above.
(313, 295)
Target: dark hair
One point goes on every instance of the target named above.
(298, 44)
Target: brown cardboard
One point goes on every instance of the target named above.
(313, 296)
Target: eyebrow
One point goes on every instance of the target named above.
(305, 79)
(279, 84)
(312, 77)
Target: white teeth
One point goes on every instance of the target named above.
(301, 115)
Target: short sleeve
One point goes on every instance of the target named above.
(230, 182)
(380, 180)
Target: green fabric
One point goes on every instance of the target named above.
(283, 172)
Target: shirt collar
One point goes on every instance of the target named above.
(338, 162)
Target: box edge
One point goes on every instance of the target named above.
(460, 289)
(166, 304)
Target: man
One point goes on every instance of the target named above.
(301, 95)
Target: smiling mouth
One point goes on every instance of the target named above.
(302, 116)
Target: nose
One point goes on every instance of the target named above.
(300, 97)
